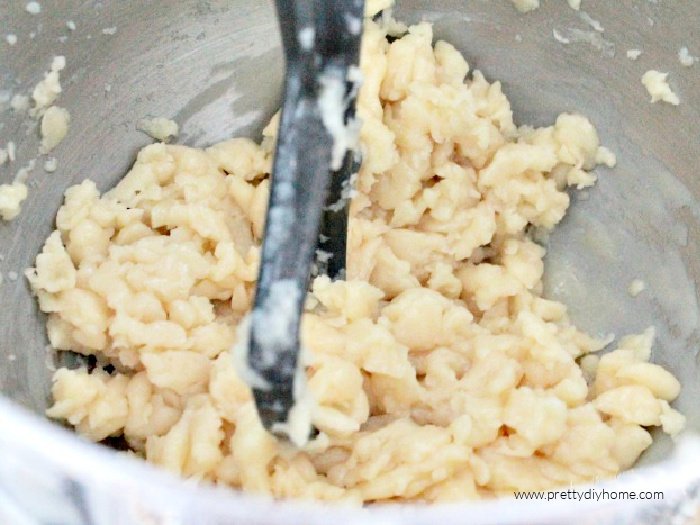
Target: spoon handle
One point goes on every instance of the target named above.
(321, 42)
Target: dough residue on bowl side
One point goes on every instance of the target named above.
(53, 129)
(634, 54)
(11, 197)
(525, 6)
(656, 84)
(685, 58)
(636, 287)
(158, 128)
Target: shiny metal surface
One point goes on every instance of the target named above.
(215, 67)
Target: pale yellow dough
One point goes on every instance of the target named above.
(54, 127)
(657, 86)
(438, 371)
(11, 198)
(525, 6)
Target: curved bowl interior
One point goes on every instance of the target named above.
(216, 68)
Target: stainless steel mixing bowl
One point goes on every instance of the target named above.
(215, 67)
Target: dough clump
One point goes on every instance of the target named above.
(657, 86)
(54, 127)
(438, 370)
(159, 128)
(525, 6)
(11, 197)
